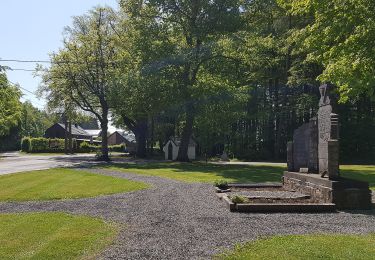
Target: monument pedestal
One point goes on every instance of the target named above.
(344, 193)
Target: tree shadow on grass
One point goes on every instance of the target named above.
(235, 173)
(361, 175)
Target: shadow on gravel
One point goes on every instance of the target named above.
(370, 212)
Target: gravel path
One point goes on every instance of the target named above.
(175, 220)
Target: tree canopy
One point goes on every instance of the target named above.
(238, 76)
(10, 105)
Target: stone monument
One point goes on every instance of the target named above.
(315, 149)
(328, 133)
(224, 157)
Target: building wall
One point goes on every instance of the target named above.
(115, 138)
(191, 151)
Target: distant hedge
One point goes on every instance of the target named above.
(45, 145)
(42, 145)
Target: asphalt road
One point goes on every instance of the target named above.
(16, 162)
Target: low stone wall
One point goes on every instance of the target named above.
(345, 193)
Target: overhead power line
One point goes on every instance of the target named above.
(23, 88)
(29, 70)
(27, 61)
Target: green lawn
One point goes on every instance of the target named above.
(307, 247)
(201, 172)
(360, 172)
(61, 184)
(53, 236)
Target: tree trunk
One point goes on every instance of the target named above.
(140, 132)
(139, 128)
(186, 135)
(104, 127)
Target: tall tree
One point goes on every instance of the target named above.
(141, 91)
(194, 27)
(10, 105)
(82, 71)
(340, 37)
(34, 122)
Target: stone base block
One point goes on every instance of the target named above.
(344, 193)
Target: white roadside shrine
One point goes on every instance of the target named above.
(173, 145)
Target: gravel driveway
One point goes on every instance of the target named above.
(175, 220)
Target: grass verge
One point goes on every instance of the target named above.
(61, 184)
(202, 172)
(53, 236)
(360, 172)
(359, 247)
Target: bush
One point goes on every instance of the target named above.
(239, 199)
(42, 145)
(221, 184)
(84, 147)
(25, 144)
(117, 148)
(56, 145)
(39, 145)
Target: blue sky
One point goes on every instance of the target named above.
(30, 30)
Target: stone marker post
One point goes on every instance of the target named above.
(328, 145)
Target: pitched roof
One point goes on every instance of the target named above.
(93, 132)
(129, 136)
(76, 130)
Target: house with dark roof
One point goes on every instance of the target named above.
(173, 145)
(58, 131)
(123, 137)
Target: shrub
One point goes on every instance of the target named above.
(221, 184)
(84, 147)
(25, 144)
(56, 145)
(117, 148)
(39, 145)
(42, 145)
(239, 199)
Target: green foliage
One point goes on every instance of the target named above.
(82, 73)
(61, 184)
(221, 184)
(53, 236)
(26, 144)
(238, 199)
(117, 148)
(317, 246)
(38, 145)
(239, 76)
(42, 145)
(33, 121)
(85, 147)
(10, 105)
(340, 37)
